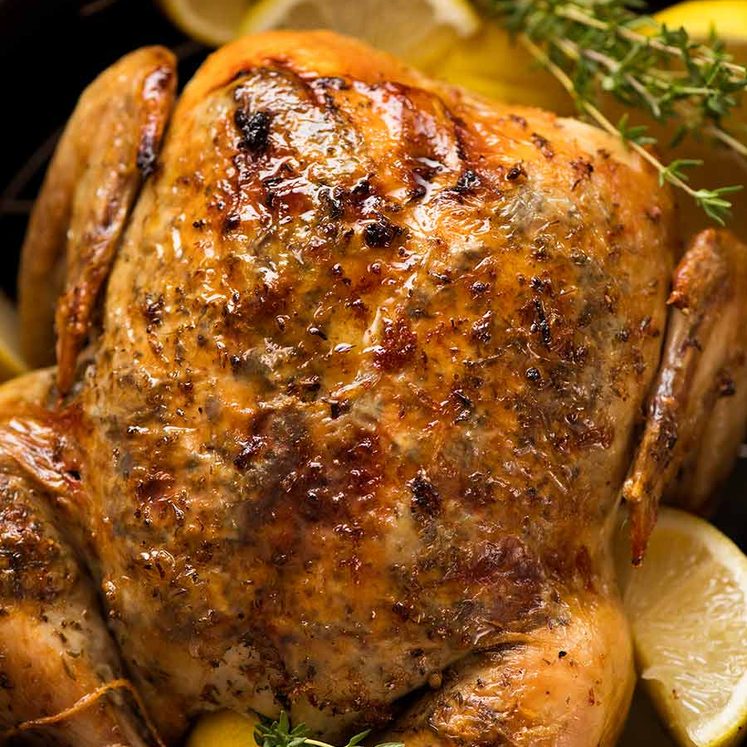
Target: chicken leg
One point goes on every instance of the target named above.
(60, 678)
(568, 683)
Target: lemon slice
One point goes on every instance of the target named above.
(11, 361)
(223, 729)
(688, 608)
(417, 30)
(213, 22)
(493, 64)
(728, 17)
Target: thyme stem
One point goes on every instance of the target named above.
(719, 134)
(602, 46)
(590, 109)
(572, 13)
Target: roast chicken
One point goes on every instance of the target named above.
(353, 372)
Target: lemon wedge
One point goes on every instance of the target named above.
(493, 64)
(728, 17)
(223, 729)
(446, 38)
(212, 22)
(11, 361)
(688, 608)
(419, 31)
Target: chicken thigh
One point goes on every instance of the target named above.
(347, 435)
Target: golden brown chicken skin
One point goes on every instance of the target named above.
(352, 433)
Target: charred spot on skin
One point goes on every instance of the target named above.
(425, 500)
(333, 82)
(515, 172)
(333, 199)
(416, 192)
(543, 286)
(541, 247)
(358, 306)
(519, 120)
(509, 557)
(580, 355)
(533, 374)
(147, 154)
(468, 182)
(541, 324)
(361, 190)
(398, 345)
(231, 223)
(582, 170)
(401, 610)
(153, 308)
(381, 233)
(479, 288)
(338, 407)
(254, 129)
(543, 145)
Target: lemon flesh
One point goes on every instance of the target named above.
(419, 31)
(688, 609)
(223, 729)
(212, 22)
(493, 64)
(11, 361)
(698, 17)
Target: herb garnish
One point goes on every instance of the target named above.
(280, 734)
(598, 47)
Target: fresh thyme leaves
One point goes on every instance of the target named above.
(605, 46)
(280, 734)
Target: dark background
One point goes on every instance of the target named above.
(49, 51)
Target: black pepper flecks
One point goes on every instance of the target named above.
(381, 233)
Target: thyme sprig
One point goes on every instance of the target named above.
(280, 733)
(596, 47)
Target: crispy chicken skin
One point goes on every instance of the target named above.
(110, 143)
(350, 435)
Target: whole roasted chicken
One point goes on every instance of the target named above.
(353, 370)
